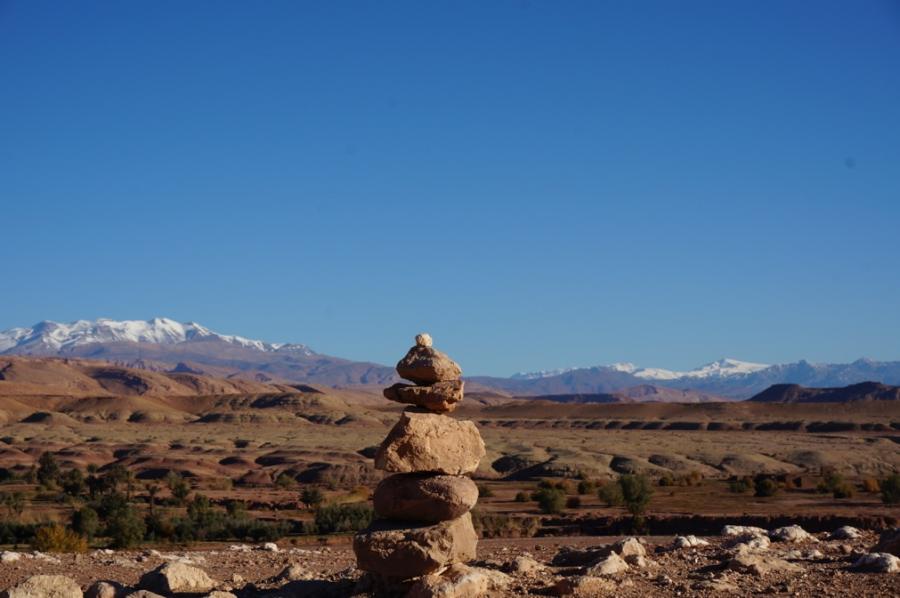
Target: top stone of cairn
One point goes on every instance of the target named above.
(425, 365)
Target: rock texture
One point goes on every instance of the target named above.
(426, 365)
(428, 442)
(177, 578)
(440, 397)
(425, 528)
(402, 552)
(889, 542)
(46, 586)
(460, 581)
(424, 497)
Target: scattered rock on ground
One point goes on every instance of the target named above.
(104, 589)
(845, 533)
(760, 565)
(629, 546)
(743, 531)
(688, 542)
(524, 565)
(716, 585)
(611, 565)
(46, 586)
(889, 541)
(791, 533)
(583, 585)
(177, 578)
(459, 581)
(878, 562)
(293, 572)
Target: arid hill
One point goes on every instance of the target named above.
(794, 393)
(644, 393)
(30, 376)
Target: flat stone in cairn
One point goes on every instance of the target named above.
(428, 442)
(424, 497)
(441, 397)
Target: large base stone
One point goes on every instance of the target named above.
(425, 498)
(396, 550)
(422, 442)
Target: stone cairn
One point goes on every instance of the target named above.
(423, 523)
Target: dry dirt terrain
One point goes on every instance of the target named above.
(264, 442)
(530, 567)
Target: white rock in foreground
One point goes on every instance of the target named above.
(845, 533)
(688, 542)
(460, 581)
(177, 578)
(791, 533)
(878, 562)
(611, 565)
(743, 531)
(46, 586)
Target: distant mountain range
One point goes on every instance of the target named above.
(163, 344)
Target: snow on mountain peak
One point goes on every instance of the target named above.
(721, 368)
(55, 336)
(540, 374)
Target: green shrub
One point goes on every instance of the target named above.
(764, 486)
(611, 494)
(56, 538)
(14, 502)
(484, 491)
(312, 497)
(501, 525)
(48, 470)
(351, 517)
(125, 528)
(740, 485)
(86, 522)
(521, 496)
(636, 493)
(586, 487)
(843, 490)
(890, 489)
(550, 500)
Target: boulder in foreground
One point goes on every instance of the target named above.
(424, 497)
(889, 541)
(423, 442)
(459, 581)
(177, 578)
(394, 551)
(46, 586)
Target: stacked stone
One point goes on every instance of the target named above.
(423, 522)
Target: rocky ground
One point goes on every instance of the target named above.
(745, 561)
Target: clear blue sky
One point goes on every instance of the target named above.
(538, 184)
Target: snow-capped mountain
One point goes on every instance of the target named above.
(723, 368)
(540, 374)
(54, 337)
